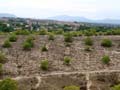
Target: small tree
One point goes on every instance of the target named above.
(106, 43)
(13, 38)
(44, 65)
(8, 84)
(44, 48)
(26, 46)
(2, 58)
(67, 60)
(88, 41)
(7, 44)
(72, 87)
(68, 37)
(51, 36)
(116, 87)
(43, 32)
(87, 48)
(106, 59)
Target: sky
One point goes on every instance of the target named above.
(92, 9)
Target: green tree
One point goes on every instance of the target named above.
(8, 84)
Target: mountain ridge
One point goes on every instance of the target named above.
(7, 15)
(83, 19)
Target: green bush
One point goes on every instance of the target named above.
(51, 36)
(6, 44)
(8, 84)
(67, 60)
(88, 41)
(68, 37)
(44, 48)
(2, 58)
(1, 69)
(43, 32)
(87, 48)
(26, 46)
(116, 87)
(30, 41)
(72, 87)
(106, 59)
(106, 43)
(13, 38)
(44, 65)
(22, 32)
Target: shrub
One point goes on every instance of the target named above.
(1, 69)
(44, 65)
(26, 46)
(30, 41)
(7, 44)
(51, 36)
(106, 43)
(8, 84)
(116, 87)
(87, 48)
(68, 37)
(88, 41)
(44, 48)
(13, 38)
(2, 58)
(106, 59)
(22, 32)
(43, 32)
(67, 60)
(67, 44)
(72, 87)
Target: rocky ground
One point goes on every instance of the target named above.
(85, 70)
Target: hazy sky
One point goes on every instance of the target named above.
(95, 9)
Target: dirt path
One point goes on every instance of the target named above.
(39, 77)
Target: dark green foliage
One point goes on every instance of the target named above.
(6, 44)
(44, 65)
(2, 58)
(105, 59)
(88, 41)
(68, 37)
(13, 38)
(5, 28)
(106, 43)
(8, 84)
(72, 87)
(67, 60)
(116, 87)
(44, 48)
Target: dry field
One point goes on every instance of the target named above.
(85, 70)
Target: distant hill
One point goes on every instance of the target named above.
(83, 19)
(7, 15)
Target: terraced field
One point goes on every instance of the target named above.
(86, 69)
